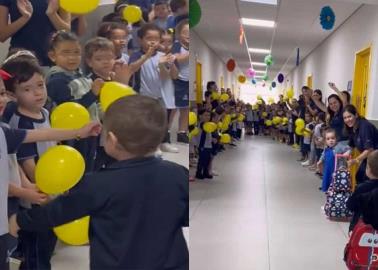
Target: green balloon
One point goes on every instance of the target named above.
(266, 77)
(194, 13)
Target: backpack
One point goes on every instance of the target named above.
(361, 252)
(339, 192)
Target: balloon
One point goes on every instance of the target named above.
(59, 169)
(79, 6)
(259, 102)
(281, 78)
(274, 84)
(225, 138)
(306, 132)
(299, 131)
(271, 100)
(112, 91)
(74, 233)
(224, 97)
(250, 73)
(285, 120)
(231, 65)
(268, 123)
(192, 118)
(255, 107)
(266, 77)
(259, 97)
(210, 127)
(290, 92)
(241, 118)
(268, 60)
(253, 81)
(195, 13)
(193, 133)
(264, 114)
(69, 115)
(132, 14)
(215, 95)
(300, 123)
(277, 120)
(242, 79)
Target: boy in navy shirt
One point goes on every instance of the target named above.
(138, 205)
(10, 141)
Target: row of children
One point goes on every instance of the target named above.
(158, 71)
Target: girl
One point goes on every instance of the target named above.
(168, 89)
(328, 157)
(181, 51)
(318, 138)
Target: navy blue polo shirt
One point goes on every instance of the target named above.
(35, 35)
(14, 138)
(365, 136)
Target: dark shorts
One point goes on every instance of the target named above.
(181, 94)
(249, 124)
(306, 148)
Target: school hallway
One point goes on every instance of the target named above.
(262, 213)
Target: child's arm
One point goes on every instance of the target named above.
(60, 19)
(182, 57)
(30, 195)
(28, 166)
(7, 29)
(49, 134)
(135, 65)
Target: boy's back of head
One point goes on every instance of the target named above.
(138, 122)
(372, 162)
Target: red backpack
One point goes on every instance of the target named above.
(361, 253)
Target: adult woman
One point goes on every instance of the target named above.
(311, 106)
(363, 136)
(31, 24)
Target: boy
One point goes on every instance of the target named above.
(10, 141)
(180, 9)
(162, 15)
(151, 67)
(307, 135)
(358, 201)
(137, 218)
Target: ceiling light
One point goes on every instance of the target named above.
(256, 50)
(267, 2)
(254, 22)
(260, 71)
(260, 64)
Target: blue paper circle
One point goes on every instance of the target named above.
(274, 84)
(280, 78)
(327, 18)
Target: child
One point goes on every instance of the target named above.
(249, 119)
(355, 203)
(205, 147)
(168, 90)
(139, 202)
(10, 141)
(290, 127)
(307, 135)
(328, 157)
(180, 9)
(117, 33)
(162, 14)
(181, 51)
(256, 121)
(318, 136)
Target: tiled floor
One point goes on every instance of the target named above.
(262, 213)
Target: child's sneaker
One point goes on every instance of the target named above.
(306, 163)
(169, 148)
(182, 137)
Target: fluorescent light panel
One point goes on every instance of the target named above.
(260, 71)
(257, 50)
(255, 22)
(267, 2)
(259, 64)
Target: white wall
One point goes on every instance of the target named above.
(212, 66)
(334, 59)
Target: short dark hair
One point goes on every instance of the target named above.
(161, 2)
(105, 30)
(21, 71)
(177, 4)
(148, 27)
(181, 25)
(210, 84)
(138, 122)
(96, 44)
(372, 161)
(61, 36)
(322, 116)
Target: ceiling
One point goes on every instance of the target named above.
(297, 25)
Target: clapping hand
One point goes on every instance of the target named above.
(25, 8)
(53, 7)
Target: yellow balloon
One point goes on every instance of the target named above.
(300, 123)
(79, 6)
(59, 169)
(225, 138)
(192, 118)
(215, 95)
(111, 91)
(132, 14)
(220, 125)
(227, 119)
(260, 102)
(241, 117)
(74, 233)
(306, 132)
(264, 114)
(285, 120)
(290, 92)
(210, 127)
(194, 133)
(299, 131)
(224, 97)
(69, 115)
(268, 123)
(259, 97)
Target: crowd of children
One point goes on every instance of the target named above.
(152, 57)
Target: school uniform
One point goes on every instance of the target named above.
(137, 209)
(256, 122)
(10, 141)
(290, 129)
(205, 148)
(36, 247)
(182, 83)
(364, 188)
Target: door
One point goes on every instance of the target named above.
(198, 89)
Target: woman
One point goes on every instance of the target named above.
(363, 136)
(311, 106)
(32, 22)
